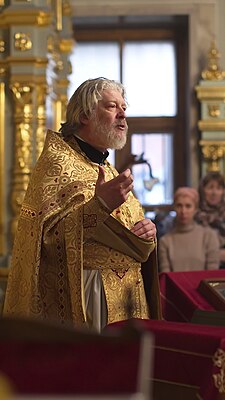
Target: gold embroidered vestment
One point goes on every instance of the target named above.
(63, 228)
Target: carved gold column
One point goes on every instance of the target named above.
(211, 94)
(35, 40)
(2, 159)
(23, 161)
(60, 45)
(27, 29)
(3, 133)
(41, 116)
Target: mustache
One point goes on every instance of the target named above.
(121, 123)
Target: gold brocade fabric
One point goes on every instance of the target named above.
(57, 237)
(219, 377)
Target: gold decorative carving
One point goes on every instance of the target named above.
(53, 49)
(58, 15)
(66, 45)
(22, 41)
(66, 8)
(219, 362)
(213, 72)
(59, 45)
(2, 46)
(3, 68)
(210, 92)
(2, 165)
(32, 16)
(37, 62)
(214, 110)
(41, 118)
(51, 44)
(35, 80)
(2, 71)
(62, 8)
(211, 125)
(59, 111)
(212, 152)
(23, 145)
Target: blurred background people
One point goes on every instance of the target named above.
(212, 207)
(188, 246)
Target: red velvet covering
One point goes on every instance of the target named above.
(179, 295)
(183, 354)
(68, 368)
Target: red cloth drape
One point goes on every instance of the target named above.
(179, 294)
(183, 354)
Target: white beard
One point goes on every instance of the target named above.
(109, 137)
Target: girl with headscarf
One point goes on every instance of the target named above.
(211, 210)
(188, 246)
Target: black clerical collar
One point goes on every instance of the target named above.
(94, 155)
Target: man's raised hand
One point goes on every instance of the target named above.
(114, 192)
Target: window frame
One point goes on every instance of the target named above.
(178, 126)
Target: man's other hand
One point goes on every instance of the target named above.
(145, 229)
